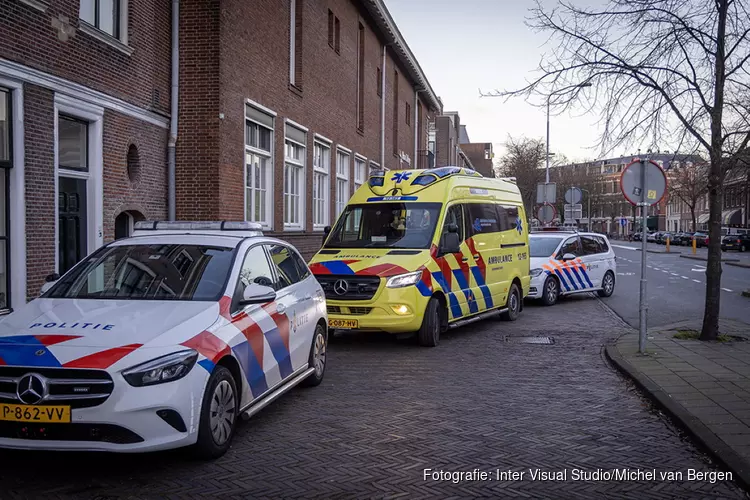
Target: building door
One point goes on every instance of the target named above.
(72, 233)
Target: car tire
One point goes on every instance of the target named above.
(429, 333)
(608, 285)
(513, 304)
(221, 392)
(318, 356)
(550, 291)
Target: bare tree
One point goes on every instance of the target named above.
(524, 160)
(661, 72)
(689, 184)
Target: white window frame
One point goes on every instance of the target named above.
(267, 223)
(120, 43)
(341, 203)
(325, 171)
(301, 183)
(359, 181)
(94, 115)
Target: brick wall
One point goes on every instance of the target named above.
(27, 36)
(475, 151)
(39, 154)
(144, 189)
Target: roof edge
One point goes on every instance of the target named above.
(388, 28)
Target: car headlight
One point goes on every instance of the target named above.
(535, 272)
(403, 280)
(160, 370)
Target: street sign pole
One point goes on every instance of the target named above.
(643, 306)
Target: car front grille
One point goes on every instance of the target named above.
(354, 311)
(357, 287)
(102, 433)
(72, 387)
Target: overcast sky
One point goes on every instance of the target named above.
(470, 45)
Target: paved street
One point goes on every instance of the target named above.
(676, 286)
(389, 409)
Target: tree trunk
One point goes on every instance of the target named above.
(712, 309)
(692, 213)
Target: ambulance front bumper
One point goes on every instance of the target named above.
(132, 419)
(392, 310)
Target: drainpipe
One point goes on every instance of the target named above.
(171, 153)
(382, 111)
(416, 125)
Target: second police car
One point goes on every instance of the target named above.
(161, 340)
(419, 251)
(568, 262)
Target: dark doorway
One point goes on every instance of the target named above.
(73, 222)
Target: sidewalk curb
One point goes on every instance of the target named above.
(718, 449)
(662, 252)
(737, 264)
(705, 259)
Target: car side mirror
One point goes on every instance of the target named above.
(451, 243)
(257, 294)
(49, 282)
(568, 256)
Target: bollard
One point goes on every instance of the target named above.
(667, 244)
(694, 245)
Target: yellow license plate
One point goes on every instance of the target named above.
(29, 413)
(343, 323)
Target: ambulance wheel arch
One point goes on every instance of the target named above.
(443, 311)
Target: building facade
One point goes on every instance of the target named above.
(84, 103)
(448, 150)
(286, 106)
(282, 109)
(479, 153)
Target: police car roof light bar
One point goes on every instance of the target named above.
(158, 225)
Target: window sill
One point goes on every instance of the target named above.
(104, 37)
(295, 90)
(36, 4)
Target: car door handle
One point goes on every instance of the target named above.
(307, 296)
(476, 256)
(465, 259)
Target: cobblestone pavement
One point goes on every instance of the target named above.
(389, 409)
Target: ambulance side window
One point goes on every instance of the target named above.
(454, 215)
(484, 218)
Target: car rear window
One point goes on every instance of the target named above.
(148, 272)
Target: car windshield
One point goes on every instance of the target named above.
(543, 247)
(386, 225)
(148, 272)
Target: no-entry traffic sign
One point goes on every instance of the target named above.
(632, 182)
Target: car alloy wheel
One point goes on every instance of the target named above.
(551, 291)
(223, 412)
(319, 354)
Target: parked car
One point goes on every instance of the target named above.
(701, 239)
(651, 237)
(161, 340)
(739, 242)
(662, 238)
(682, 238)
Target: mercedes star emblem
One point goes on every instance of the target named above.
(32, 389)
(341, 287)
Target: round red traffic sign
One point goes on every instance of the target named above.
(546, 213)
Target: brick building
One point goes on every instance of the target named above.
(84, 103)
(479, 153)
(447, 141)
(283, 108)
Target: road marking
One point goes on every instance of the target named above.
(674, 274)
(665, 271)
(727, 290)
(684, 277)
(622, 246)
(625, 274)
(696, 281)
(698, 269)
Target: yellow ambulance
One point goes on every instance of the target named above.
(424, 250)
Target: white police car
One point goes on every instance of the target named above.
(160, 341)
(567, 262)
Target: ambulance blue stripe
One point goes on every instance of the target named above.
(22, 351)
(487, 296)
(423, 289)
(455, 307)
(586, 275)
(477, 273)
(572, 281)
(471, 301)
(562, 280)
(460, 279)
(279, 351)
(207, 364)
(578, 276)
(337, 267)
(250, 364)
(438, 275)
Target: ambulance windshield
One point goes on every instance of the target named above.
(386, 225)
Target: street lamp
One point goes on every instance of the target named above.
(580, 85)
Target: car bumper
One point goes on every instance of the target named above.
(536, 286)
(126, 422)
(380, 315)
(730, 246)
